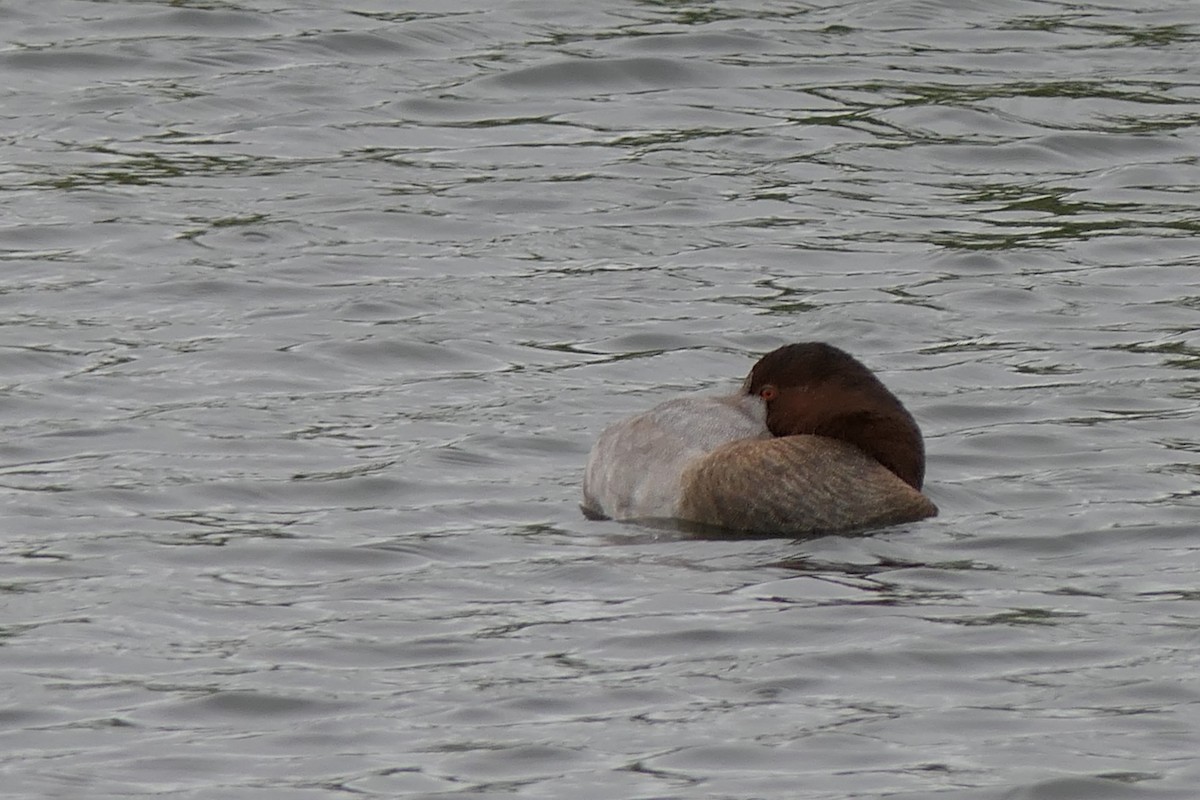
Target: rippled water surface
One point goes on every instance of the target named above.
(310, 313)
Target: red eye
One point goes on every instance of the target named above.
(768, 393)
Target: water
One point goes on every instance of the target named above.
(308, 318)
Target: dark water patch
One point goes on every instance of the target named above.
(608, 75)
(355, 46)
(129, 64)
(730, 44)
(400, 357)
(224, 706)
(1118, 787)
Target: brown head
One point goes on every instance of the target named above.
(815, 388)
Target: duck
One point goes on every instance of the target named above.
(812, 442)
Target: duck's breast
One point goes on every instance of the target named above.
(795, 484)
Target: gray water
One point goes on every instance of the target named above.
(309, 314)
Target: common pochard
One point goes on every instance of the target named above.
(813, 442)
